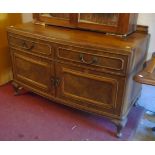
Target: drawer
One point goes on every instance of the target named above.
(31, 45)
(99, 59)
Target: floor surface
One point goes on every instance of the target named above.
(31, 117)
(143, 133)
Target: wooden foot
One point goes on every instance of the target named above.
(119, 124)
(16, 88)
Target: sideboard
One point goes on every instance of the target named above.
(89, 71)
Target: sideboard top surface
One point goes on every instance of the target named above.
(80, 37)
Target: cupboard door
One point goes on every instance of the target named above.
(87, 90)
(33, 72)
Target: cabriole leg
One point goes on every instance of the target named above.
(119, 129)
(120, 125)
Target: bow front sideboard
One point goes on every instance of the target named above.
(89, 71)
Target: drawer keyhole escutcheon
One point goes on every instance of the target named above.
(55, 81)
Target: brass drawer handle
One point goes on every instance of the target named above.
(94, 60)
(25, 46)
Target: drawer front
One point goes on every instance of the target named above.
(86, 89)
(102, 60)
(31, 45)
